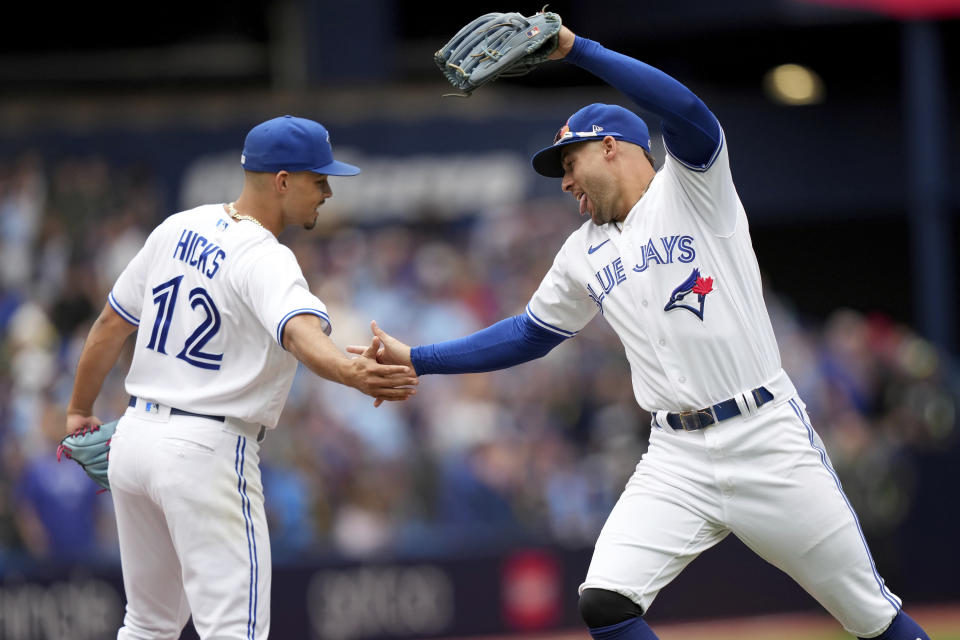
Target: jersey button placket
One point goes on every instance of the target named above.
(640, 289)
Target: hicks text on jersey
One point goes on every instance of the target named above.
(199, 252)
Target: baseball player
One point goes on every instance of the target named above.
(225, 315)
(666, 258)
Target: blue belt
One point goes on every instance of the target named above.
(181, 412)
(700, 418)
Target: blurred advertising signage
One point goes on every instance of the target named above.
(69, 607)
(437, 185)
(902, 9)
(380, 601)
(531, 590)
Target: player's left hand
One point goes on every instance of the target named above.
(564, 44)
(80, 422)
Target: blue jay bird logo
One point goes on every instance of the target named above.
(693, 284)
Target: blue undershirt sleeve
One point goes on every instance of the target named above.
(507, 343)
(690, 130)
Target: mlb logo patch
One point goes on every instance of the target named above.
(152, 407)
(222, 224)
(532, 32)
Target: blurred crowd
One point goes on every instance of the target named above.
(537, 453)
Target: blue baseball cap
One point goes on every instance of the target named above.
(593, 122)
(292, 144)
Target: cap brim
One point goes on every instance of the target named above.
(547, 162)
(337, 168)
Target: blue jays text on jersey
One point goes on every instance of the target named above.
(668, 244)
(209, 254)
(613, 273)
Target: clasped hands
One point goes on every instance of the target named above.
(386, 349)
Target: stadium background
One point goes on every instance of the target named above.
(471, 511)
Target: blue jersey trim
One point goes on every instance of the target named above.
(296, 312)
(699, 168)
(889, 597)
(123, 313)
(548, 326)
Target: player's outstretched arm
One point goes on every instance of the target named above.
(504, 344)
(304, 337)
(100, 352)
(691, 131)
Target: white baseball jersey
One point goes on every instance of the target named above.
(680, 286)
(211, 297)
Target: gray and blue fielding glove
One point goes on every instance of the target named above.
(497, 45)
(90, 448)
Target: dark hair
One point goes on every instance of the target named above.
(649, 158)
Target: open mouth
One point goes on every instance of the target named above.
(584, 201)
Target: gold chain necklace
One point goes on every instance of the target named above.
(236, 215)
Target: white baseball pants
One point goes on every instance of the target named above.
(766, 478)
(192, 526)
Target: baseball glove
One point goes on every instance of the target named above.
(90, 448)
(497, 45)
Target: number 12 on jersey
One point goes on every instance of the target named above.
(165, 297)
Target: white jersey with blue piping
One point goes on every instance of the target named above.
(211, 297)
(679, 284)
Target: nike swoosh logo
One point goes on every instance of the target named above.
(592, 249)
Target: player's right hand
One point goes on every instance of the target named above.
(390, 351)
(387, 350)
(383, 381)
